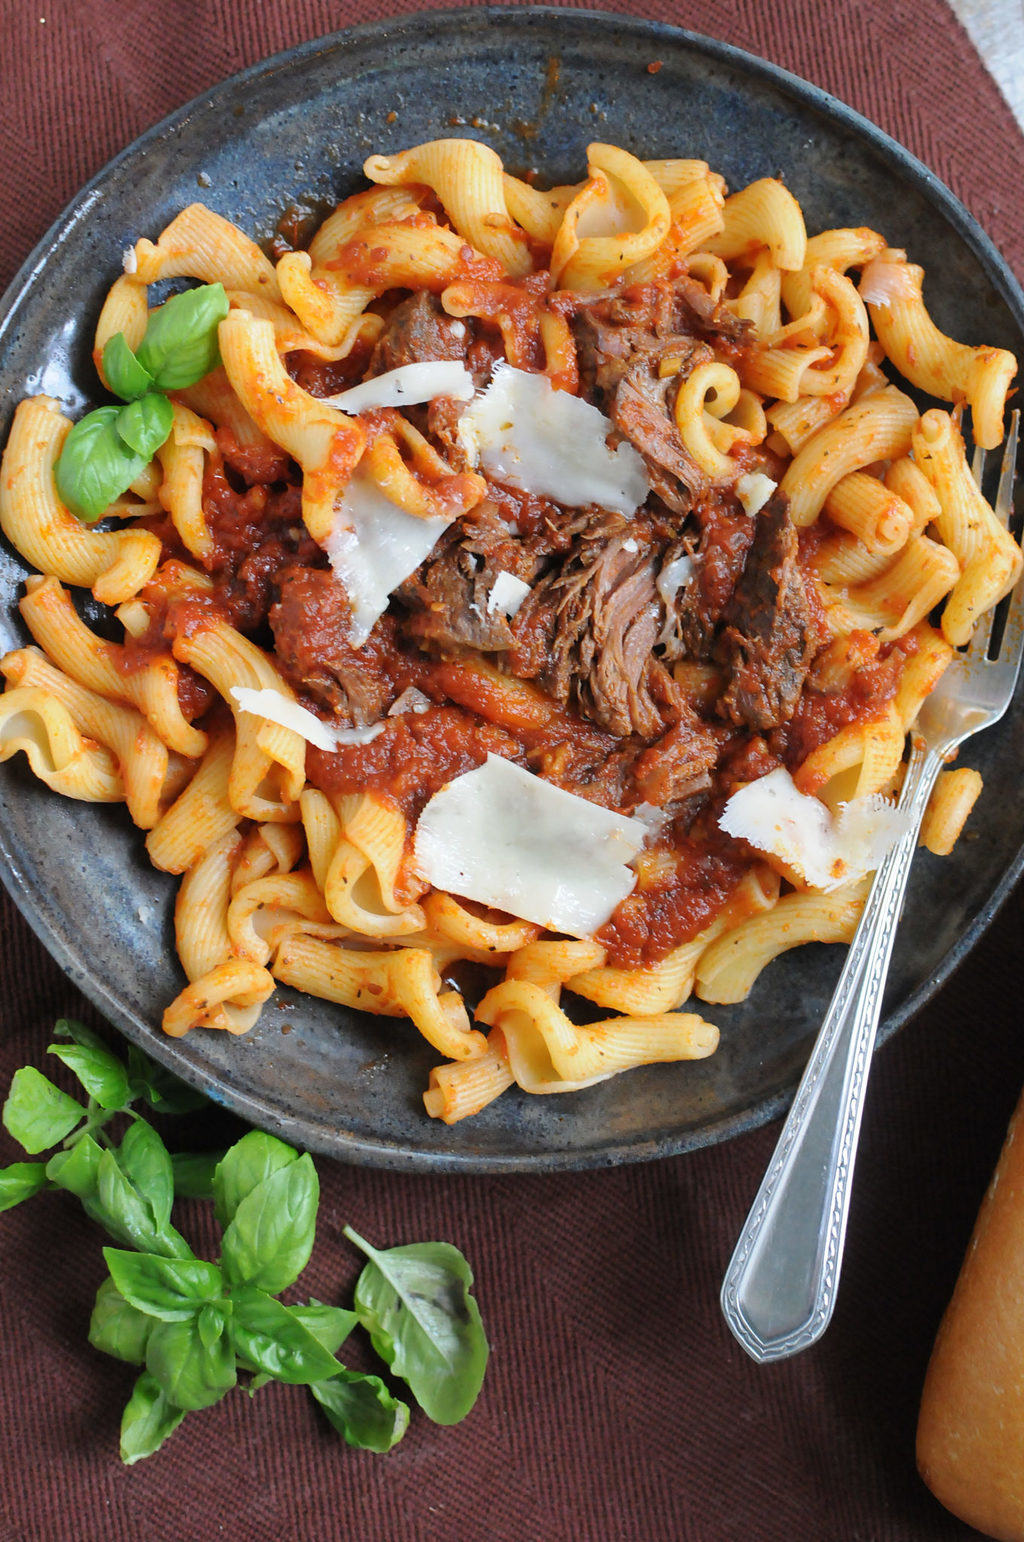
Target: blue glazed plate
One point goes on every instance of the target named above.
(537, 84)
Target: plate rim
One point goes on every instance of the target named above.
(389, 1154)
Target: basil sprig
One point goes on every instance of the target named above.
(192, 1326)
(108, 448)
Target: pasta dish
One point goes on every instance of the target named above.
(521, 597)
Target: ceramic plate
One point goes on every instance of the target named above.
(538, 85)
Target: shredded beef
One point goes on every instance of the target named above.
(310, 622)
(420, 331)
(719, 551)
(679, 766)
(767, 641)
(642, 410)
(587, 630)
(446, 600)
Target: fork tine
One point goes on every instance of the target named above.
(978, 465)
(1003, 506)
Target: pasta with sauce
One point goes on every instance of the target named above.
(537, 581)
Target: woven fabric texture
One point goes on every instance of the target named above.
(617, 1408)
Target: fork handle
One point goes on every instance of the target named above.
(779, 1288)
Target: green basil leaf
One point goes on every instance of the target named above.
(180, 345)
(270, 1336)
(249, 1161)
(20, 1181)
(190, 1373)
(122, 371)
(211, 1322)
(118, 1328)
(95, 465)
(146, 1163)
(147, 1421)
(77, 1169)
(101, 1073)
(330, 1324)
(131, 1216)
(145, 424)
(71, 1028)
(363, 1410)
(161, 1088)
(269, 1241)
(415, 1303)
(193, 1173)
(37, 1113)
(173, 1289)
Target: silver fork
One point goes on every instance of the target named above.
(780, 1286)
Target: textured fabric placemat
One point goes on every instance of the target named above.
(616, 1405)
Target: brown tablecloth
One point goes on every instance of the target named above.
(617, 1406)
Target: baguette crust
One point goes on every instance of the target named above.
(970, 1433)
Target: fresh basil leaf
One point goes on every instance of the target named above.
(20, 1181)
(172, 1289)
(363, 1410)
(193, 1173)
(330, 1324)
(211, 1322)
(145, 424)
(146, 1163)
(131, 1216)
(415, 1303)
(269, 1241)
(96, 466)
(77, 1169)
(71, 1028)
(161, 1088)
(191, 1374)
(101, 1073)
(122, 371)
(118, 1328)
(180, 345)
(270, 1336)
(147, 1420)
(241, 1169)
(37, 1113)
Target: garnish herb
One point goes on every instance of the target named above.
(193, 1326)
(108, 448)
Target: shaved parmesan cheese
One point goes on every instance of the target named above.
(630, 545)
(373, 547)
(411, 700)
(507, 594)
(504, 838)
(883, 281)
(753, 489)
(129, 261)
(406, 386)
(528, 435)
(652, 816)
(801, 833)
(276, 708)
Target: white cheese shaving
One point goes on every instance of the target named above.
(507, 594)
(883, 281)
(528, 435)
(407, 386)
(411, 700)
(129, 261)
(373, 547)
(753, 489)
(504, 838)
(630, 545)
(276, 708)
(652, 816)
(802, 834)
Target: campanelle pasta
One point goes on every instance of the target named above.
(680, 534)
